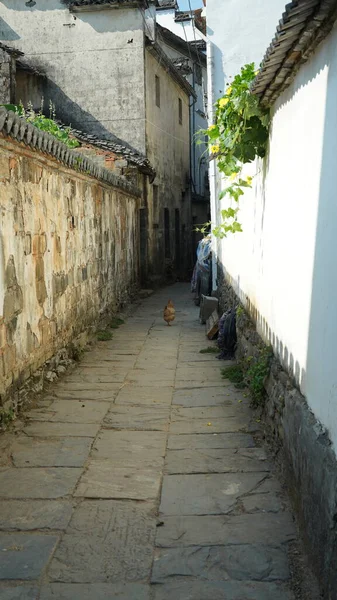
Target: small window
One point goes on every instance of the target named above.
(180, 111)
(157, 80)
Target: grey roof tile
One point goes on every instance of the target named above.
(304, 24)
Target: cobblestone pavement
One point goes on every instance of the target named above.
(138, 478)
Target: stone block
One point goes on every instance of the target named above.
(13, 303)
(220, 425)
(147, 396)
(132, 449)
(19, 592)
(24, 556)
(66, 411)
(103, 479)
(62, 452)
(98, 591)
(138, 418)
(211, 440)
(259, 528)
(220, 563)
(27, 515)
(19, 483)
(3, 335)
(213, 460)
(4, 168)
(226, 590)
(206, 494)
(207, 307)
(106, 541)
(46, 429)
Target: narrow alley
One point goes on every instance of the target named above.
(139, 478)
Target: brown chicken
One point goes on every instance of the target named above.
(169, 312)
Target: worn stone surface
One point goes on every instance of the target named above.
(220, 563)
(19, 483)
(132, 448)
(148, 396)
(163, 376)
(106, 541)
(49, 429)
(61, 452)
(186, 357)
(122, 478)
(65, 411)
(26, 515)
(209, 494)
(96, 395)
(18, 593)
(137, 417)
(213, 530)
(227, 590)
(24, 556)
(94, 376)
(104, 480)
(88, 384)
(217, 425)
(216, 461)
(199, 374)
(99, 591)
(210, 440)
(207, 412)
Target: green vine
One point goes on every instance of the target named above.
(239, 135)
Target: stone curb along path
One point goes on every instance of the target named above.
(138, 478)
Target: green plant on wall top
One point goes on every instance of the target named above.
(238, 136)
(44, 123)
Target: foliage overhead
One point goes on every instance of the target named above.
(238, 136)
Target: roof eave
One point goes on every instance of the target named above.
(304, 25)
(158, 53)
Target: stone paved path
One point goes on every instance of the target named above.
(139, 478)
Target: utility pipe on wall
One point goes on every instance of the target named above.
(212, 164)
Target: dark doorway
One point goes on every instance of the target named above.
(167, 232)
(177, 254)
(143, 244)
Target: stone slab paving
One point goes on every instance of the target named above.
(138, 477)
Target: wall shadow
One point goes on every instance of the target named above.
(321, 366)
(71, 114)
(7, 33)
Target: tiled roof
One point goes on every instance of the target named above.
(166, 4)
(188, 48)
(23, 66)
(115, 3)
(11, 51)
(11, 125)
(167, 63)
(304, 24)
(119, 147)
(182, 16)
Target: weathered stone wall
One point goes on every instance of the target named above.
(303, 447)
(7, 77)
(68, 253)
